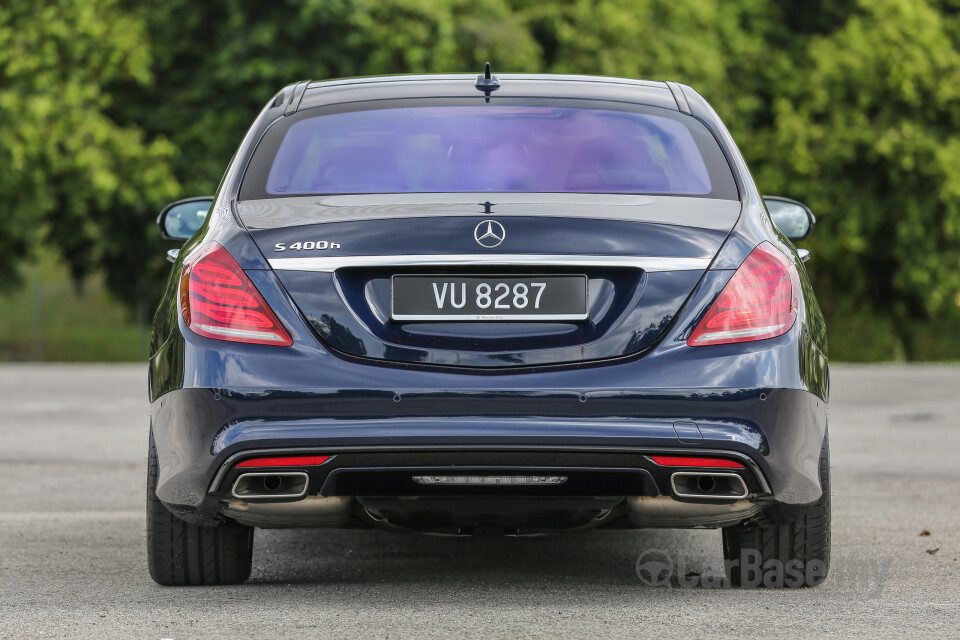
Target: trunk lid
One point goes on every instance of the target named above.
(642, 256)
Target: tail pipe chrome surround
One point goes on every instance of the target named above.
(708, 485)
(276, 484)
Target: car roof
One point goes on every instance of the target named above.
(308, 94)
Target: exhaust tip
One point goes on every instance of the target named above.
(272, 483)
(708, 486)
(278, 485)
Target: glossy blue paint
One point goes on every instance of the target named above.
(540, 234)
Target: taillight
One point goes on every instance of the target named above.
(759, 302)
(218, 301)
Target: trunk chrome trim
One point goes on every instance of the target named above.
(645, 263)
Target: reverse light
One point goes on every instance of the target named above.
(284, 461)
(690, 461)
(760, 301)
(218, 301)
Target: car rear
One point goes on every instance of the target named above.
(428, 311)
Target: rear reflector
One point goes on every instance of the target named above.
(680, 461)
(218, 301)
(760, 301)
(284, 461)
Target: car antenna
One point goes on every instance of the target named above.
(488, 83)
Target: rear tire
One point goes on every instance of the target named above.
(184, 554)
(794, 554)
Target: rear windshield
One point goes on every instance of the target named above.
(491, 149)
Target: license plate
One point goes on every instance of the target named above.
(444, 297)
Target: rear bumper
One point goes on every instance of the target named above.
(202, 431)
(212, 401)
(455, 489)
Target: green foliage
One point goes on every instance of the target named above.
(72, 177)
(109, 107)
(218, 62)
(869, 140)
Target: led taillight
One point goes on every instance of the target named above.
(218, 301)
(760, 301)
(691, 461)
(284, 461)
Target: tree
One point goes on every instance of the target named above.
(109, 107)
(217, 63)
(866, 132)
(72, 177)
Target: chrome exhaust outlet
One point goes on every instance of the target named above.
(276, 485)
(708, 485)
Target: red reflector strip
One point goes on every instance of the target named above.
(677, 461)
(285, 461)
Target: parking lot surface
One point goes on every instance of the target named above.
(73, 443)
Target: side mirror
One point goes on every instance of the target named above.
(179, 220)
(793, 219)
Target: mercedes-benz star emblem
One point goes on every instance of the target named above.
(489, 234)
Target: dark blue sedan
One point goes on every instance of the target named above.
(458, 304)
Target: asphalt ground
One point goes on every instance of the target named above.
(73, 443)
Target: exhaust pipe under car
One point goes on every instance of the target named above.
(276, 485)
(708, 485)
